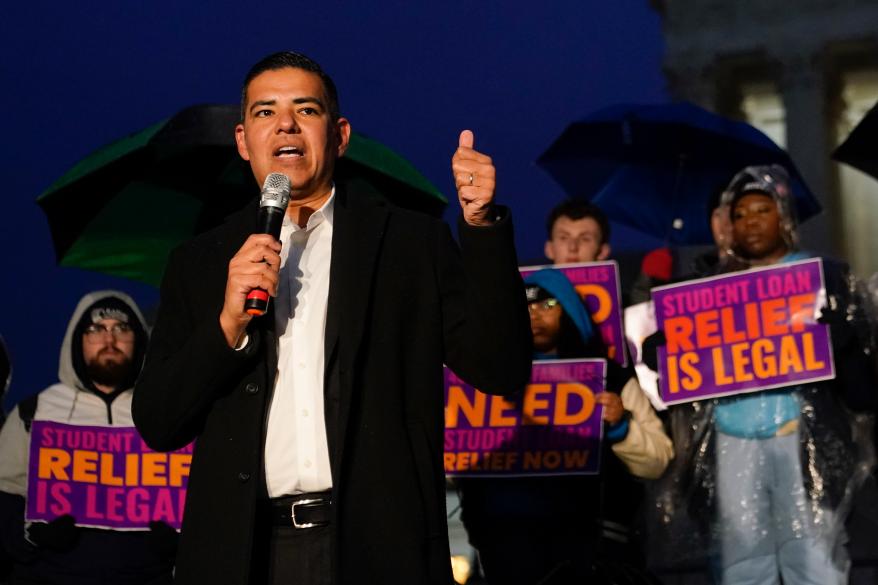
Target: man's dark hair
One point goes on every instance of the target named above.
(579, 209)
(285, 59)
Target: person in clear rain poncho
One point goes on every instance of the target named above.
(767, 477)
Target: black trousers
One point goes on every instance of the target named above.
(284, 555)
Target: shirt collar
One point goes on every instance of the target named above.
(325, 213)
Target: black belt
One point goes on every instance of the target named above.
(301, 511)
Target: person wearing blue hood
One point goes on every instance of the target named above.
(560, 323)
(549, 529)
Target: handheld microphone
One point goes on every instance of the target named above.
(272, 207)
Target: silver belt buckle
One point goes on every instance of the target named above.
(296, 523)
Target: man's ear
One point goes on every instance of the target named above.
(241, 143)
(343, 135)
(549, 250)
(604, 252)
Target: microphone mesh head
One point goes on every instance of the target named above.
(275, 191)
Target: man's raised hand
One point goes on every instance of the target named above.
(475, 178)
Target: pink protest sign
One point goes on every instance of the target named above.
(105, 477)
(553, 428)
(598, 285)
(742, 332)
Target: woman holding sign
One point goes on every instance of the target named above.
(775, 459)
(553, 529)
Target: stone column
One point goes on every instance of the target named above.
(804, 90)
(692, 80)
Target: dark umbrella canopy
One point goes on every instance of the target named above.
(860, 148)
(655, 167)
(123, 208)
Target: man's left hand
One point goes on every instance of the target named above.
(474, 176)
(613, 409)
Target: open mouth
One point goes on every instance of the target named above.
(289, 152)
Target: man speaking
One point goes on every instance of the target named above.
(318, 425)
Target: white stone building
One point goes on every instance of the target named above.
(804, 72)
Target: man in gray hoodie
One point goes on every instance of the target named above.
(101, 357)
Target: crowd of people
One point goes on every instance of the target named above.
(318, 428)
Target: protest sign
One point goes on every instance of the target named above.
(742, 332)
(105, 477)
(598, 285)
(554, 428)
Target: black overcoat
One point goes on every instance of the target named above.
(403, 300)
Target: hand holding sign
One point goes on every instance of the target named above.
(613, 409)
(162, 539)
(474, 176)
(59, 535)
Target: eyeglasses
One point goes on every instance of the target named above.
(542, 306)
(95, 332)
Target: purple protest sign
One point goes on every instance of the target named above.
(742, 332)
(554, 428)
(598, 285)
(105, 477)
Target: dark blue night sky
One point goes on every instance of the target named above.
(76, 76)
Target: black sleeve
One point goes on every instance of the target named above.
(13, 546)
(853, 345)
(188, 363)
(486, 325)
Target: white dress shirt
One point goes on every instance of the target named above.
(296, 450)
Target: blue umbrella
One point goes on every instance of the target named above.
(655, 167)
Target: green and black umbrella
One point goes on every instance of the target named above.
(123, 208)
